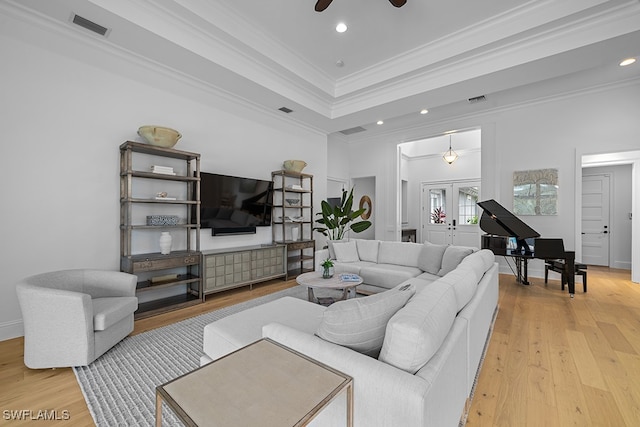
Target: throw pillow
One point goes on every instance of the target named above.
(360, 323)
(346, 251)
(367, 250)
(453, 256)
(416, 332)
(330, 243)
(430, 259)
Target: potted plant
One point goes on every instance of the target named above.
(337, 220)
(327, 265)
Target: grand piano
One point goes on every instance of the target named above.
(508, 236)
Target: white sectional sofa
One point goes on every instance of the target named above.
(383, 265)
(413, 350)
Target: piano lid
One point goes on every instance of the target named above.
(497, 220)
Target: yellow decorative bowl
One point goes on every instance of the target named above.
(160, 136)
(294, 165)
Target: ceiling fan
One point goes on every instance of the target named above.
(323, 4)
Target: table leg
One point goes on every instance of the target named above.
(310, 295)
(350, 405)
(158, 410)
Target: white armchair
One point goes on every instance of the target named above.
(72, 317)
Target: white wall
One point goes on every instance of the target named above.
(63, 120)
(542, 134)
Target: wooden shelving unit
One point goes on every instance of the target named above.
(187, 260)
(287, 215)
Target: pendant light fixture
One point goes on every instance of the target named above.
(450, 156)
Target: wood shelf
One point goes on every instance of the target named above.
(186, 262)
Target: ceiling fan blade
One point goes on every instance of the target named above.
(323, 4)
(397, 3)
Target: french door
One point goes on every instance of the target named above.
(450, 213)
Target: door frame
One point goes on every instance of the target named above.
(602, 159)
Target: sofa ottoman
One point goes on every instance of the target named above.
(240, 329)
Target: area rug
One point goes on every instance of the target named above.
(120, 386)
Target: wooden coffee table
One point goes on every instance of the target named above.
(262, 384)
(314, 279)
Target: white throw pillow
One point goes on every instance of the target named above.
(368, 250)
(417, 331)
(346, 251)
(453, 256)
(330, 243)
(360, 323)
(430, 259)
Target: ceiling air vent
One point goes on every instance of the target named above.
(352, 130)
(285, 110)
(475, 99)
(89, 25)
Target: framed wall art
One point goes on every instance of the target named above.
(535, 192)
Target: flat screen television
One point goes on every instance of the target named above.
(234, 205)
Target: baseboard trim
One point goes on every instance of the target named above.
(11, 329)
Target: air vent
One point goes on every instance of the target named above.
(352, 130)
(89, 25)
(285, 110)
(475, 99)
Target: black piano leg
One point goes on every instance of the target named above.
(571, 276)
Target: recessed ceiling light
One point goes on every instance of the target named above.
(627, 61)
(424, 111)
(380, 122)
(341, 27)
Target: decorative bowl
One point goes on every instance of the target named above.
(292, 202)
(294, 165)
(160, 136)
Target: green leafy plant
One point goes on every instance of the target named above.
(327, 263)
(336, 221)
(473, 219)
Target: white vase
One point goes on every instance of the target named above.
(295, 233)
(165, 243)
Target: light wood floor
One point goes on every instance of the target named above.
(552, 360)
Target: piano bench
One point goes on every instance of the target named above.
(558, 265)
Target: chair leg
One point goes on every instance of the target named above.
(546, 273)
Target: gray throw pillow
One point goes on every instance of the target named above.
(430, 259)
(360, 323)
(453, 256)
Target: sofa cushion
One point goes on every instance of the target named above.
(232, 332)
(428, 277)
(399, 253)
(464, 282)
(368, 249)
(480, 261)
(360, 323)
(430, 259)
(109, 311)
(346, 251)
(453, 256)
(387, 275)
(417, 331)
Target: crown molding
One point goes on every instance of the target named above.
(516, 21)
(607, 24)
(17, 11)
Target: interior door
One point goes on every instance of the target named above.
(450, 213)
(595, 219)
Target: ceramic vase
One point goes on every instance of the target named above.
(165, 243)
(295, 233)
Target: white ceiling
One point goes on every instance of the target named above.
(431, 54)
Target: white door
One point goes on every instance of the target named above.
(450, 213)
(595, 220)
